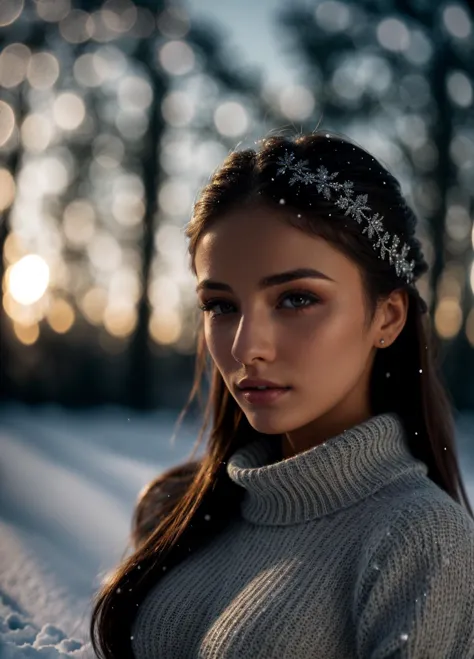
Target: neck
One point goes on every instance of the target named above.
(321, 429)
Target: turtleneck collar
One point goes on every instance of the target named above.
(323, 479)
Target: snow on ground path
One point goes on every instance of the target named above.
(68, 485)
(27, 587)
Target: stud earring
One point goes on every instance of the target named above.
(382, 341)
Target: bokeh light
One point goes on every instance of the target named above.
(333, 16)
(460, 89)
(79, 222)
(458, 222)
(88, 71)
(134, 93)
(93, 304)
(128, 208)
(457, 21)
(393, 34)
(165, 327)
(175, 197)
(132, 124)
(14, 60)
(108, 150)
(27, 334)
(173, 22)
(104, 252)
(10, 10)
(177, 108)
(176, 57)
(448, 317)
(43, 70)
(7, 122)
(231, 119)
(69, 111)
(120, 318)
(297, 102)
(37, 132)
(119, 15)
(7, 189)
(60, 316)
(420, 49)
(163, 293)
(109, 62)
(76, 27)
(27, 280)
(53, 11)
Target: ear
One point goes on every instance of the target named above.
(392, 315)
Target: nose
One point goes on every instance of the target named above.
(254, 339)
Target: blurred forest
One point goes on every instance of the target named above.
(113, 114)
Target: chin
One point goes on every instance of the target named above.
(263, 423)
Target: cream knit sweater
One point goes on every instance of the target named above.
(347, 550)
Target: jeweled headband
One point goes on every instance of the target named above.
(355, 208)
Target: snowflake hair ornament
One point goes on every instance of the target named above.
(356, 208)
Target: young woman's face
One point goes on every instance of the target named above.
(309, 334)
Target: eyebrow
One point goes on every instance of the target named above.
(268, 281)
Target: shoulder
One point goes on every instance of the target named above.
(431, 513)
(417, 565)
(425, 522)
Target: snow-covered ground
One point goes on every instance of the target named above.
(68, 485)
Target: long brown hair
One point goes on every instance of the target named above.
(186, 506)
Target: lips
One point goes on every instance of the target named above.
(251, 383)
(264, 397)
(260, 389)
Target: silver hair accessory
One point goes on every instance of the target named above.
(324, 183)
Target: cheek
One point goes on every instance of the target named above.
(330, 349)
(219, 345)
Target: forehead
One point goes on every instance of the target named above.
(256, 241)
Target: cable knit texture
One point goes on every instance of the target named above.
(347, 550)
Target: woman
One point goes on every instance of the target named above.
(324, 518)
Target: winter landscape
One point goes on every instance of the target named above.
(69, 481)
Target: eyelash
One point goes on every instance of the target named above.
(314, 299)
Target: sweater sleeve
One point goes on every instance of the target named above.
(415, 596)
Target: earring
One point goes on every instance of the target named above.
(382, 341)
